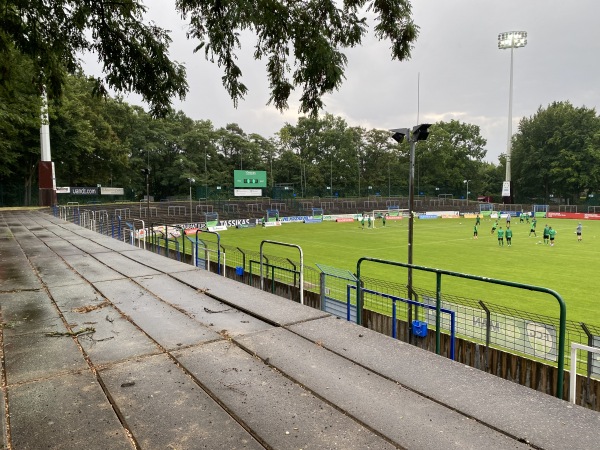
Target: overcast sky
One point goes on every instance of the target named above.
(463, 75)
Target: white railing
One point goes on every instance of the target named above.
(573, 378)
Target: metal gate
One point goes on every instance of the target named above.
(334, 287)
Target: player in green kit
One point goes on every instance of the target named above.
(508, 235)
(362, 221)
(383, 219)
(551, 233)
(545, 234)
(532, 229)
(500, 237)
(368, 221)
(477, 220)
(475, 231)
(494, 226)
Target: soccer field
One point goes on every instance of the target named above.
(569, 267)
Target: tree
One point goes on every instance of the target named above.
(309, 35)
(383, 162)
(557, 151)
(19, 120)
(453, 152)
(134, 54)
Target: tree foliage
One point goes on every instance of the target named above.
(52, 33)
(557, 152)
(453, 153)
(19, 118)
(309, 36)
(106, 141)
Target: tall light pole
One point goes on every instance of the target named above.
(512, 40)
(358, 162)
(46, 174)
(146, 172)
(418, 133)
(467, 197)
(331, 175)
(205, 178)
(191, 180)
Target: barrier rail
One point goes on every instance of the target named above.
(573, 378)
(440, 272)
(285, 244)
(408, 302)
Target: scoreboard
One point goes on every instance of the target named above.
(249, 178)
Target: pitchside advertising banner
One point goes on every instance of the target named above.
(247, 192)
(524, 336)
(112, 191)
(90, 190)
(239, 223)
(84, 190)
(566, 215)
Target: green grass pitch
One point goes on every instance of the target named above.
(569, 267)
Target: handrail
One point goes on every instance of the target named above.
(573, 377)
(301, 265)
(440, 272)
(143, 228)
(394, 299)
(273, 267)
(218, 248)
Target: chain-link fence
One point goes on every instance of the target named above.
(529, 334)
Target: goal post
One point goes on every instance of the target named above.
(317, 214)
(211, 219)
(540, 210)
(486, 209)
(272, 215)
(392, 211)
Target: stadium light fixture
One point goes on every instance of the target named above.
(512, 40)
(418, 133)
(399, 134)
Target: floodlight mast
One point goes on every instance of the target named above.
(146, 172)
(512, 40)
(191, 180)
(418, 133)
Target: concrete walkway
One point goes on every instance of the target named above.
(106, 346)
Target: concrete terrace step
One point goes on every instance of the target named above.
(109, 346)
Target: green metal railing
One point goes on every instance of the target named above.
(440, 272)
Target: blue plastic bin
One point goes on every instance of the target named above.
(239, 270)
(419, 328)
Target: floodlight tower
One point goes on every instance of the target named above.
(191, 180)
(146, 172)
(512, 40)
(418, 133)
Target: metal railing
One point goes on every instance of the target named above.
(440, 272)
